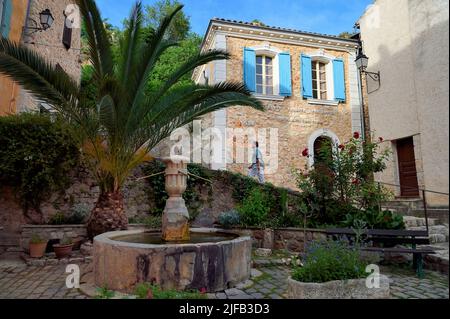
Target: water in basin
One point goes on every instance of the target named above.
(155, 238)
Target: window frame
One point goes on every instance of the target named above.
(264, 74)
(319, 80)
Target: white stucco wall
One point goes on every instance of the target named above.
(407, 41)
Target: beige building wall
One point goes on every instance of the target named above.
(9, 90)
(297, 121)
(407, 41)
(49, 44)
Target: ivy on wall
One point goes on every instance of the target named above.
(36, 157)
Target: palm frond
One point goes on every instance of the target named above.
(100, 53)
(128, 121)
(46, 82)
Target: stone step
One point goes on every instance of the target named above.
(440, 214)
(437, 233)
(413, 221)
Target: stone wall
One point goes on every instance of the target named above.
(48, 44)
(292, 239)
(83, 190)
(51, 233)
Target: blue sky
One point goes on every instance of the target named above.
(323, 16)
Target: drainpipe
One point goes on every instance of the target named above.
(26, 19)
(361, 97)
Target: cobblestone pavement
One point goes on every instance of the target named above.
(49, 282)
(269, 282)
(405, 285)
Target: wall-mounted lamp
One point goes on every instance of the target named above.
(362, 61)
(45, 19)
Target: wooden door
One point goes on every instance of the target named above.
(407, 168)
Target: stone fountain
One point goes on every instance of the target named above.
(175, 223)
(176, 257)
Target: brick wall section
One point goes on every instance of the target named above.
(294, 117)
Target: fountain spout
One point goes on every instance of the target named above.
(175, 223)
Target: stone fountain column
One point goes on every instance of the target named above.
(175, 223)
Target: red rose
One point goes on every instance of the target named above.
(355, 181)
(305, 152)
(356, 135)
(381, 139)
(341, 147)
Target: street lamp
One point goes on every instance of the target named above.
(362, 61)
(45, 19)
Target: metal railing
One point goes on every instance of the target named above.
(424, 196)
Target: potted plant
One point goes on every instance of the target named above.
(37, 246)
(64, 248)
(77, 242)
(333, 270)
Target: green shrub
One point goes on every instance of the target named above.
(142, 292)
(66, 241)
(36, 156)
(104, 293)
(37, 239)
(153, 222)
(58, 219)
(254, 210)
(229, 219)
(375, 219)
(78, 216)
(328, 261)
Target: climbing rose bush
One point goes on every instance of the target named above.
(342, 179)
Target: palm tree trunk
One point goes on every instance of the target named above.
(108, 215)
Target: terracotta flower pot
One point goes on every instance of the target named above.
(37, 250)
(62, 251)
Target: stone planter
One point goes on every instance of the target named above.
(340, 289)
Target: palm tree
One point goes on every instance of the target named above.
(117, 135)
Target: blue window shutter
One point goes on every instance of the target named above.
(306, 63)
(285, 74)
(6, 21)
(250, 69)
(339, 80)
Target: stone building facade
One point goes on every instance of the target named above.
(57, 44)
(403, 40)
(297, 116)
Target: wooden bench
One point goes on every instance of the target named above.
(391, 238)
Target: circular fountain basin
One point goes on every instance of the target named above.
(213, 260)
